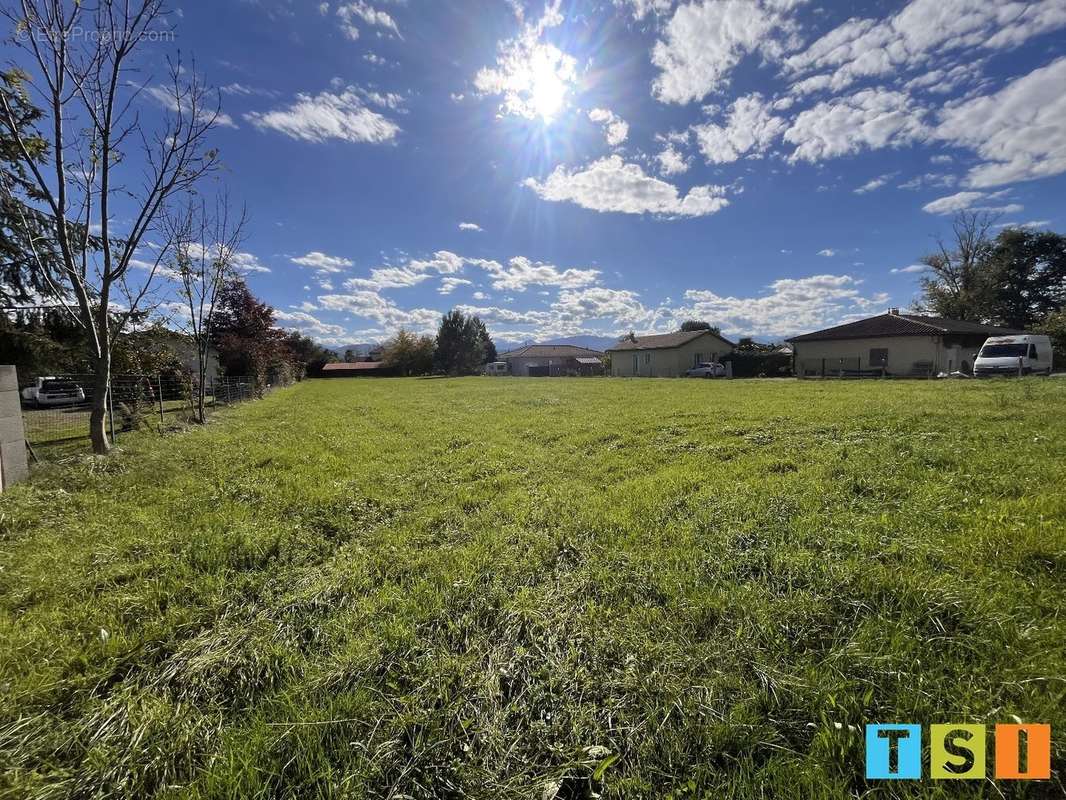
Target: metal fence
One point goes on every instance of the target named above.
(56, 408)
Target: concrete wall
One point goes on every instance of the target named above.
(903, 353)
(14, 466)
(668, 362)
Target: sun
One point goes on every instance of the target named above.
(547, 88)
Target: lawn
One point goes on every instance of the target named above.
(520, 588)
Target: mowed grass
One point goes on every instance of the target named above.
(510, 588)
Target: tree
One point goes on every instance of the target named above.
(1054, 326)
(205, 244)
(1026, 276)
(409, 354)
(488, 348)
(349, 356)
(307, 354)
(82, 170)
(698, 325)
(959, 286)
(244, 335)
(460, 347)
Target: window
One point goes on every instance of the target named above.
(878, 356)
(647, 358)
(697, 359)
(1003, 351)
(1032, 351)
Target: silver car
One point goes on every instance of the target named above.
(706, 369)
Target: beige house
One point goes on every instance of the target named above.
(552, 360)
(892, 344)
(666, 355)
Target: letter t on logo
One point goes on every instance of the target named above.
(894, 752)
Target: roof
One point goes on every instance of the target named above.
(902, 325)
(665, 341)
(355, 366)
(552, 351)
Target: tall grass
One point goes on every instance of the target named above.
(506, 588)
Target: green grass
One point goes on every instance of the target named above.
(496, 588)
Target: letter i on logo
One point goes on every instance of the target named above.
(1023, 752)
(894, 752)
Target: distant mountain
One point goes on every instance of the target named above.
(588, 341)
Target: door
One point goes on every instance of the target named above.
(636, 365)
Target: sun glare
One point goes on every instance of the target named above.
(547, 88)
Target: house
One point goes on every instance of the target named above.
(356, 369)
(542, 360)
(667, 355)
(892, 344)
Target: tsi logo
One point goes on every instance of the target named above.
(894, 752)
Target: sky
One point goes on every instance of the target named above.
(567, 168)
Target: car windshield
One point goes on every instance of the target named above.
(1004, 350)
(58, 386)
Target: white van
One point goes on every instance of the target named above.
(1007, 355)
(496, 368)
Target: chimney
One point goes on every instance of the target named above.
(894, 312)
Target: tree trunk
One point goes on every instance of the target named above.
(98, 416)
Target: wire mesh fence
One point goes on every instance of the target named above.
(56, 408)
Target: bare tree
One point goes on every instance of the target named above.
(81, 60)
(206, 243)
(958, 287)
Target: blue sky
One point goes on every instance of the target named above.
(772, 166)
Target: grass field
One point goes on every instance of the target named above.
(505, 588)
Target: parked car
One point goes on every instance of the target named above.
(53, 392)
(496, 368)
(1008, 355)
(707, 369)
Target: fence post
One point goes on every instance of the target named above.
(13, 444)
(159, 389)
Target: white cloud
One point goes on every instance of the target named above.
(307, 324)
(827, 252)
(521, 273)
(641, 8)
(317, 118)
(1035, 224)
(165, 96)
(470, 226)
(449, 285)
(351, 13)
(922, 31)
(793, 305)
(952, 203)
(1020, 131)
(703, 41)
(414, 272)
(750, 128)
(910, 269)
(322, 262)
(962, 201)
(596, 302)
(874, 183)
(610, 184)
(533, 77)
(869, 119)
(615, 129)
(671, 161)
(371, 305)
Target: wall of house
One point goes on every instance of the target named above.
(559, 365)
(903, 353)
(14, 465)
(668, 363)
